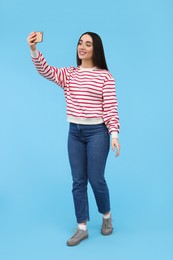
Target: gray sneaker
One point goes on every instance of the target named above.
(77, 237)
(107, 228)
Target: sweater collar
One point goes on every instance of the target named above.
(87, 69)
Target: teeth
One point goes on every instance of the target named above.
(82, 53)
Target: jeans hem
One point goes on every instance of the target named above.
(86, 220)
(105, 212)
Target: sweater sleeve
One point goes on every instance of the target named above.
(57, 75)
(110, 105)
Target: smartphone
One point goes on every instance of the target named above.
(39, 37)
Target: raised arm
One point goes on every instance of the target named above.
(57, 75)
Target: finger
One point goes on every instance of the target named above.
(113, 146)
(32, 39)
(118, 151)
(32, 35)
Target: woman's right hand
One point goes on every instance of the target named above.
(31, 41)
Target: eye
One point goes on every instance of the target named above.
(88, 45)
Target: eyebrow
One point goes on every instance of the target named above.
(86, 41)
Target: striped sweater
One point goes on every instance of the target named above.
(90, 93)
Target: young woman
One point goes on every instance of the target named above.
(92, 114)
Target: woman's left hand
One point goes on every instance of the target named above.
(116, 144)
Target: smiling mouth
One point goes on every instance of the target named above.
(82, 53)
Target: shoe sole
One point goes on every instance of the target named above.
(78, 242)
(106, 234)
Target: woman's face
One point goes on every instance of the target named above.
(85, 48)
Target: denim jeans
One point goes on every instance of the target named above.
(88, 148)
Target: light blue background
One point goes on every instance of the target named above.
(36, 207)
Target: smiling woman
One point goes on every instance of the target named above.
(90, 47)
(92, 113)
(85, 51)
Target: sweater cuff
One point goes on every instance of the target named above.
(34, 54)
(114, 135)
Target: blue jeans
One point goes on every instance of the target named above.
(88, 148)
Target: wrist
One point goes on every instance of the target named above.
(34, 54)
(114, 135)
(33, 48)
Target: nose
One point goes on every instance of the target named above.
(82, 46)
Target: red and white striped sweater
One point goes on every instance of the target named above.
(89, 92)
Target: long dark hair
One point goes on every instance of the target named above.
(98, 51)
